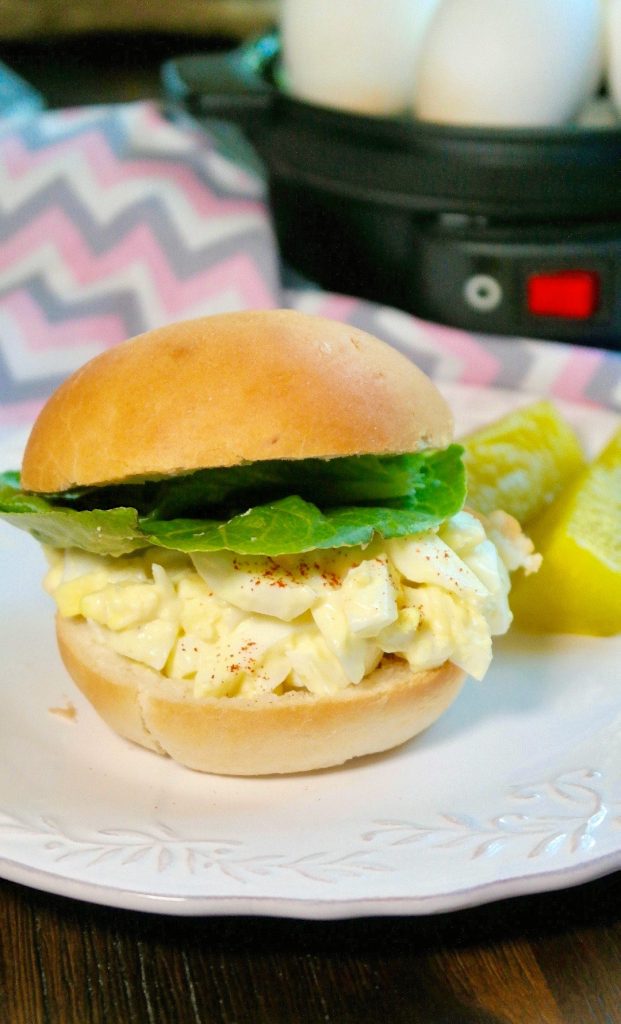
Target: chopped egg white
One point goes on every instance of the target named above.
(255, 584)
(235, 624)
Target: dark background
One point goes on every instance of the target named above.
(108, 68)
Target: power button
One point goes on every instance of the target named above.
(483, 293)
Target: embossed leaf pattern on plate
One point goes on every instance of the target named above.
(569, 812)
(163, 849)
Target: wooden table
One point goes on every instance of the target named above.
(548, 959)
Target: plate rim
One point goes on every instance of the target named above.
(313, 908)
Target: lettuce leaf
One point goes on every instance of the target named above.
(357, 479)
(250, 509)
(104, 532)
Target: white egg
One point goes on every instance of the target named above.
(613, 51)
(502, 63)
(355, 55)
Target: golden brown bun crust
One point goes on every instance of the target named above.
(238, 736)
(225, 389)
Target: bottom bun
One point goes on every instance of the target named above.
(296, 732)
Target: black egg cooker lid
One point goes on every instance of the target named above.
(570, 172)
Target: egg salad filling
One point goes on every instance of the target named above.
(242, 625)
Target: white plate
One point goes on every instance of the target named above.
(516, 789)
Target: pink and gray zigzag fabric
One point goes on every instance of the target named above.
(114, 220)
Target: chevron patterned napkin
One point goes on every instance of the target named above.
(114, 220)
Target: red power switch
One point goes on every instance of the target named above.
(573, 294)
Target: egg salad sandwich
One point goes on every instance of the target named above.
(257, 544)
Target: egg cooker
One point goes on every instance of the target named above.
(514, 232)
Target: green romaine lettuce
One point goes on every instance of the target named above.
(264, 508)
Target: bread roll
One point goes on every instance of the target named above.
(295, 732)
(228, 389)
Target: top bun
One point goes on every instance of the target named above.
(227, 389)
